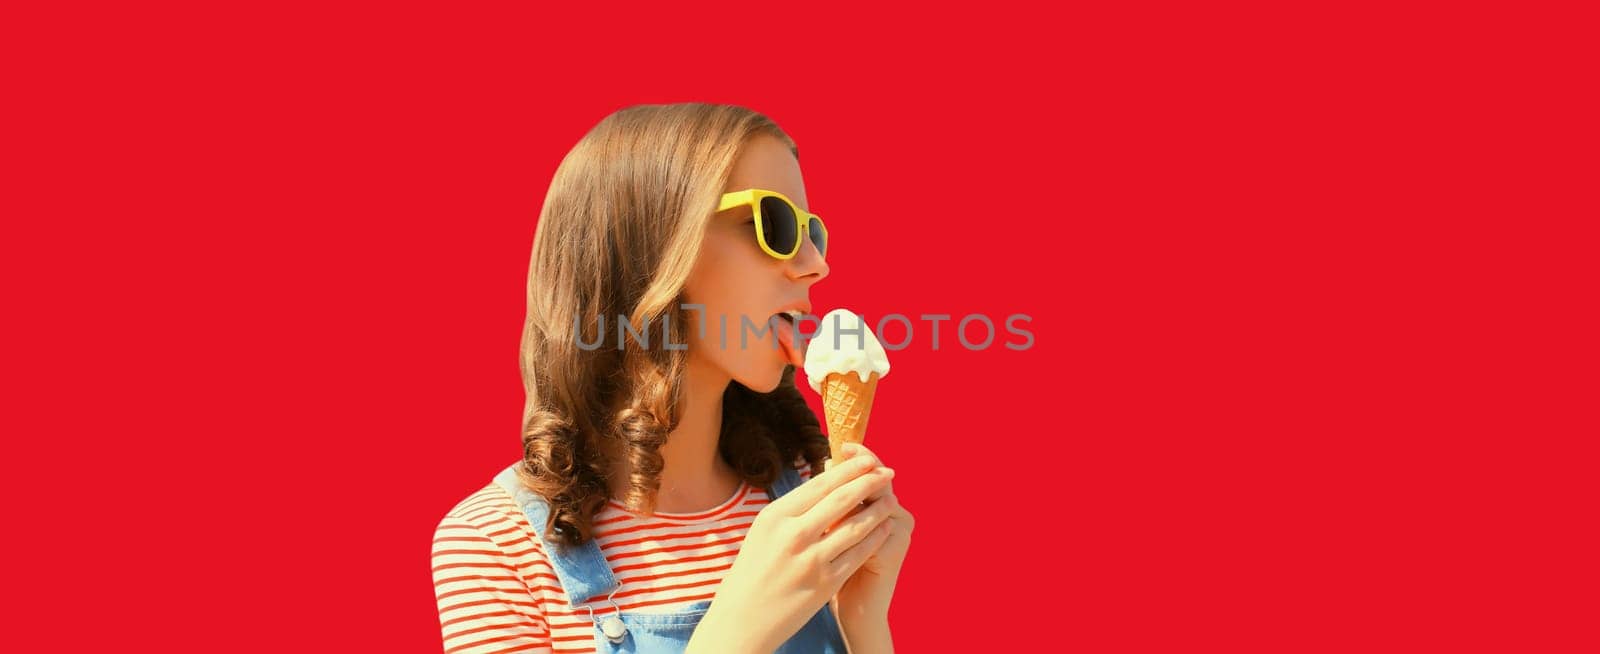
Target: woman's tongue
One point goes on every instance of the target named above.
(786, 329)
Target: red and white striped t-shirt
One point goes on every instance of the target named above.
(498, 593)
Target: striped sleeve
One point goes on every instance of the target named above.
(484, 604)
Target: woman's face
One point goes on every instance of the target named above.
(736, 280)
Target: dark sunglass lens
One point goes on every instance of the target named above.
(819, 236)
(778, 225)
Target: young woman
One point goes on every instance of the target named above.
(674, 493)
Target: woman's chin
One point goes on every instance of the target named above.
(764, 382)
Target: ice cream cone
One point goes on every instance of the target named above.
(846, 404)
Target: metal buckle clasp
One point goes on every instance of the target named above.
(611, 627)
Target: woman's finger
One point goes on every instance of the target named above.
(852, 450)
(842, 500)
(847, 562)
(806, 495)
(851, 530)
(885, 494)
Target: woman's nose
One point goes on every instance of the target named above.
(807, 263)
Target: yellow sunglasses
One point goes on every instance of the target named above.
(779, 223)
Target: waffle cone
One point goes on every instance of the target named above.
(846, 405)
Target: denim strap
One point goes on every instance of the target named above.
(787, 481)
(582, 570)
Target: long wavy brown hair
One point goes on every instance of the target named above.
(620, 230)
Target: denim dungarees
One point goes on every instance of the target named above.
(583, 574)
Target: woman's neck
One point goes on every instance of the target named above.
(694, 477)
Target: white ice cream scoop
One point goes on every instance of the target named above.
(843, 343)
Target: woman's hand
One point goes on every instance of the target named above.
(864, 598)
(799, 551)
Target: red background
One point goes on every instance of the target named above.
(1311, 294)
